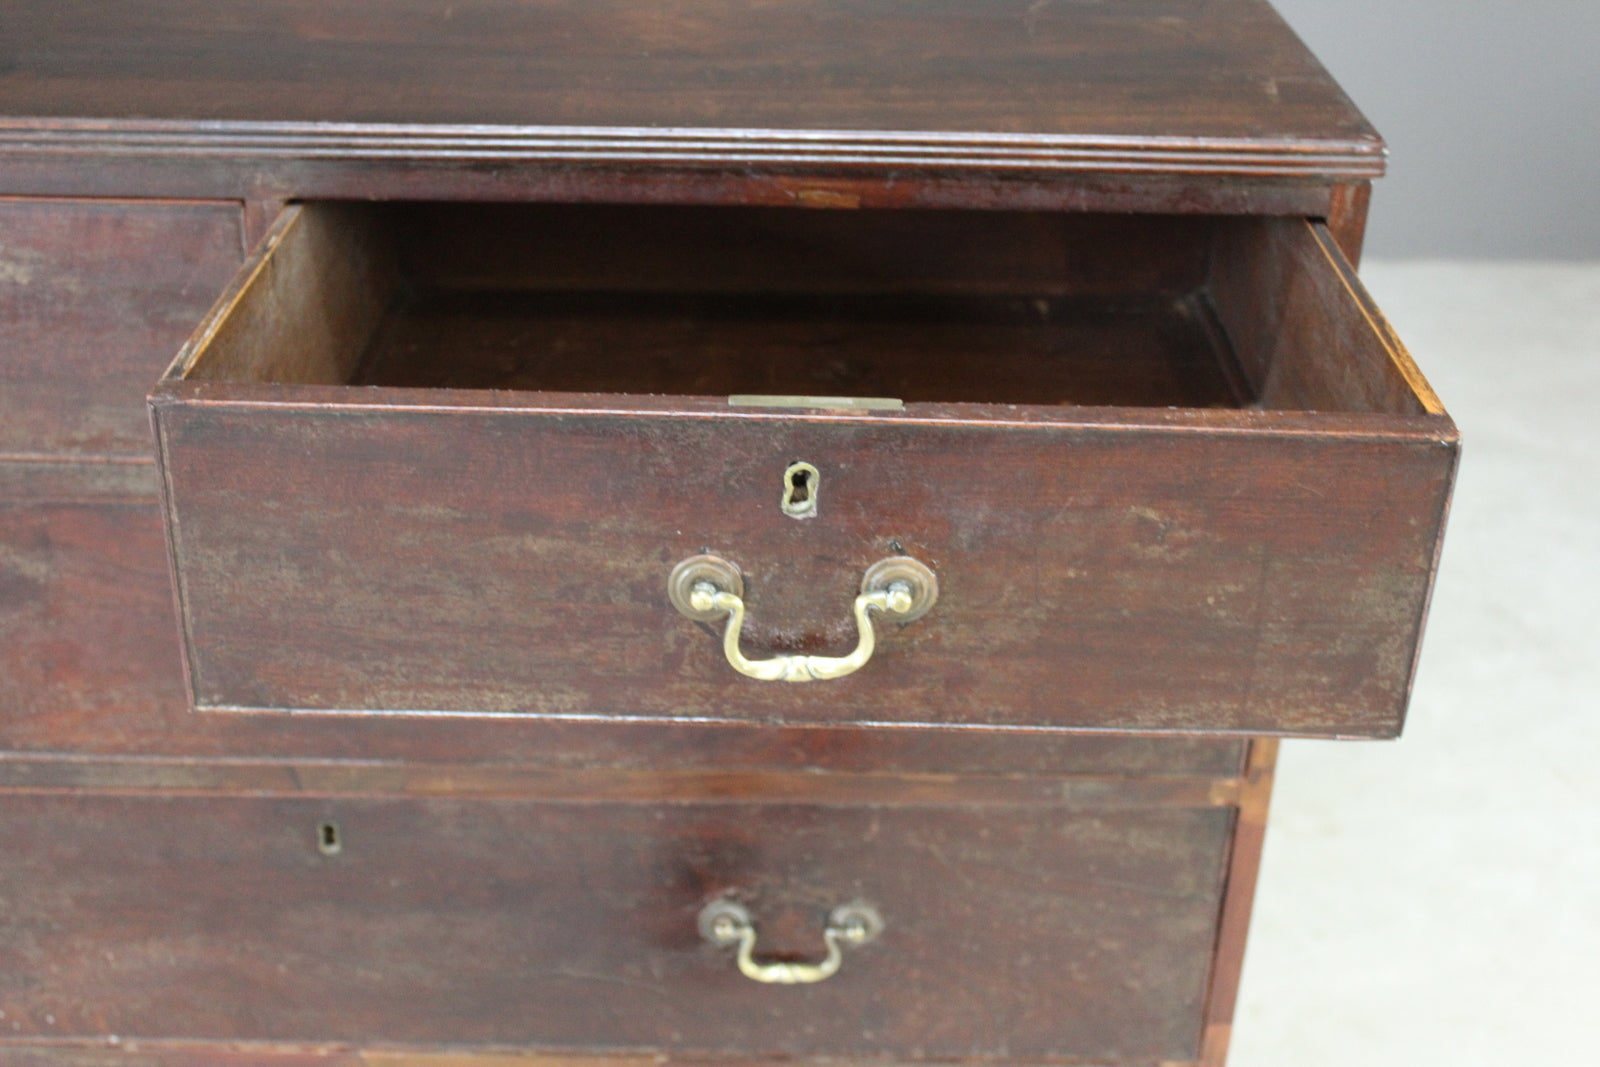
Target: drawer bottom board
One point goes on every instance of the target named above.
(1010, 933)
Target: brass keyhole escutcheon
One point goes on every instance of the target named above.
(801, 483)
(329, 840)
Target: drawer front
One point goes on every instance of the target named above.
(90, 664)
(514, 562)
(374, 548)
(1007, 932)
(95, 297)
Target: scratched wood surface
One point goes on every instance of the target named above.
(1193, 106)
(377, 548)
(1008, 935)
(530, 576)
(163, 1053)
(90, 665)
(163, 899)
(1220, 85)
(95, 296)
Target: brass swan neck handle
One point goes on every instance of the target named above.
(705, 588)
(727, 922)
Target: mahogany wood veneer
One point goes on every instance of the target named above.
(347, 718)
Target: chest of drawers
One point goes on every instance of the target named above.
(676, 532)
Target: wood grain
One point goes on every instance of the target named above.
(410, 549)
(134, 776)
(1277, 578)
(518, 882)
(313, 302)
(572, 926)
(1223, 88)
(1347, 218)
(657, 249)
(1307, 335)
(90, 666)
(1244, 864)
(1001, 307)
(976, 349)
(176, 1053)
(95, 297)
(246, 1054)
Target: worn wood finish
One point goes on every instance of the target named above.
(559, 926)
(1347, 218)
(1307, 335)
(378, 549)
(167, 1053)
(95, 296)
(983, 349)
(314, 304)
(961, 306)
(518, 881)
(1148, 84)
(1244, 863)
(87, 655)
(1267, 608)
(90, 664)
(332, 177)
(259, 215)
(656, 785)
(640, 249)
(1153, 105)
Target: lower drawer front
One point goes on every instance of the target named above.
(1037, 932)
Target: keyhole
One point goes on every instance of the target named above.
(801, 481)
(328, 842)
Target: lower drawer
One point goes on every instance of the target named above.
(1022, 932)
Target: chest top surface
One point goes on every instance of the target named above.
(1218, 87)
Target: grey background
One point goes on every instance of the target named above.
(1492, 115)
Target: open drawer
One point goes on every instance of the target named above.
(1167, 473)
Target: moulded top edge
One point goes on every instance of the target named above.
(672, 147)
(1157, 84)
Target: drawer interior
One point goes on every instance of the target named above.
(444, 459)
(1015, 308)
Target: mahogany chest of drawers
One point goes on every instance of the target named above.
(677, 531)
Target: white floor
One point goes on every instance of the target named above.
(1437, 900)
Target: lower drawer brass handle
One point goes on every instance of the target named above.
(705, 588)
(727, 922)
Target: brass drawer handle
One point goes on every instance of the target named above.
(727, 922)
(705, 588)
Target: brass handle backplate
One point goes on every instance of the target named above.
(705, 588)
(728, 923)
